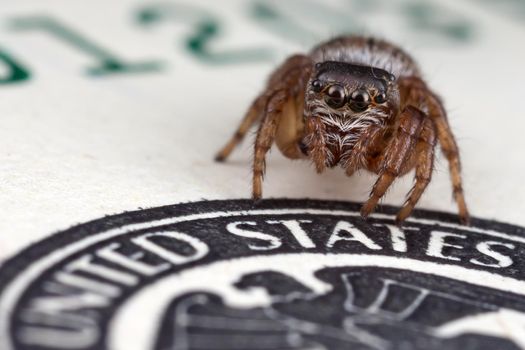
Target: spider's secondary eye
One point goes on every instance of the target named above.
(359, 100)
(317, 85)
(335, 96)
(380, 98)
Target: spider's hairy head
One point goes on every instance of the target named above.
(343, 100)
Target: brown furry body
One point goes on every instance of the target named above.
(359, 103)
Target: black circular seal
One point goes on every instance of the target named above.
(279, 274)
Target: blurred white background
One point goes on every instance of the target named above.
(82, 137)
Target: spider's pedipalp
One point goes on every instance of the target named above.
(360, 152)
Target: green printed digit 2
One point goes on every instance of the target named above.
(16, 72)
(205, 29)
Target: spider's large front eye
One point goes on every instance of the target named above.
(335, 96)
(359, 100)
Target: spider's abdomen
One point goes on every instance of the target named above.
(366, 51)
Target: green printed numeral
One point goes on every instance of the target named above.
(513, 8)
(107, 62)
(276, 22)
(284, 19)
(206, 29)
(16, 72)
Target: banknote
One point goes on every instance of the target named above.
(119, 230)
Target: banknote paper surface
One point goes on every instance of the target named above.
(117, 108)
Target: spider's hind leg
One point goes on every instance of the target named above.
(451, 152)
(424, 157)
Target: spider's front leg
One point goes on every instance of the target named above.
(424, 158)
(393, 159)
(419, 94)
(249, 119)
(265, 138)
(288, 82)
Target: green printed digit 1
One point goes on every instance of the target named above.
(205, 30)
(426, 16)
(514, 8)
(107, 62)
(273, 20)
(304, 21)
(16, 72)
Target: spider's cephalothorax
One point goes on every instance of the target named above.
(345, 100)
(359, 103)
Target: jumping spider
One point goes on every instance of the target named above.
(356, 102)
